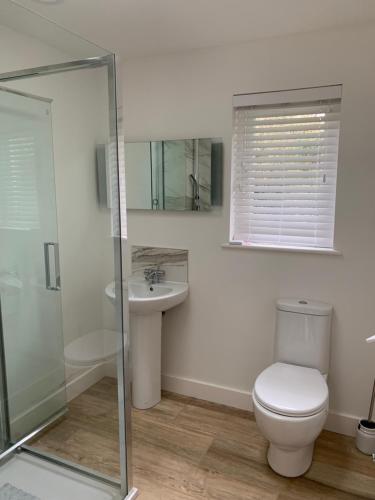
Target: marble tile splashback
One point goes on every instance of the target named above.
(172, 260)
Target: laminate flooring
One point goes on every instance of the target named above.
(188, 449)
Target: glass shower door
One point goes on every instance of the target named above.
(31, 336)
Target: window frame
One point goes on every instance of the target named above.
(275, 98)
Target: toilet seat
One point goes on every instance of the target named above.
(290, 390)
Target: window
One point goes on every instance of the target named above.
(284, 168)
(18, 179)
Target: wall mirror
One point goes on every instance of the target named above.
(174, 174)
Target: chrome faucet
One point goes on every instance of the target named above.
(154, 275)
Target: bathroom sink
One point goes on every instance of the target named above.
(147, 302)
(145, 298)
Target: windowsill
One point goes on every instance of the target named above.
(321, 251)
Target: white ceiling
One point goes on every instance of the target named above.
(144, 27)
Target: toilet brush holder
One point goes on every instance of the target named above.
(365, 439)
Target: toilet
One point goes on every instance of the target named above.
(290, 397)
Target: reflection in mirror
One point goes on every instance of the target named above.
(174, 175)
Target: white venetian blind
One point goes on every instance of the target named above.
(18, 185)
(284, 168)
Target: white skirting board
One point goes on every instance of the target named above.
(89, 377)
(336, 422)
(342, 423)
(110, 369)
(84, 381)
(74, 388)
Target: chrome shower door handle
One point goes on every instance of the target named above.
(49, 249)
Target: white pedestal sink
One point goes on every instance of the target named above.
(147, 302)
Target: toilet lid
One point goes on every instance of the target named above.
(291, 390)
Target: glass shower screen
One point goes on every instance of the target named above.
(32, 364)
(64, 353)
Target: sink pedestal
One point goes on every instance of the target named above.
(145, 344)
(146, 303)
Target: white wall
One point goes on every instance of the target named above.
(223, 335)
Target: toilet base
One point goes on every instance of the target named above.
(290, 462)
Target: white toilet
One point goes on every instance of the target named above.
(291, 396)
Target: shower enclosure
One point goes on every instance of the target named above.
(31, 319)
(58, 248)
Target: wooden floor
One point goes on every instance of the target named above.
(185, 449)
